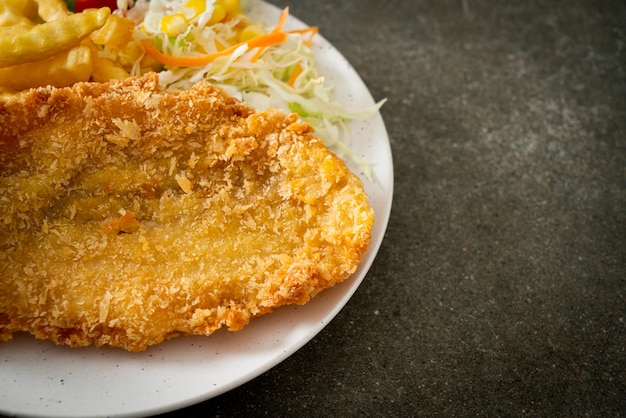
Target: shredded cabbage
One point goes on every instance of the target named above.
(283, 76)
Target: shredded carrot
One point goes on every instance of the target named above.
(312, 31)
(274, 37)
(282, 19)
(261, 41)
(294, 75)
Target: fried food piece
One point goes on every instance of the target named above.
(50, 38)
(62, 70)
(130, 215)
(50, 10)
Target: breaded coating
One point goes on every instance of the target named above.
(130, 215)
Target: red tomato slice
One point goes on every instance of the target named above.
(94, 4)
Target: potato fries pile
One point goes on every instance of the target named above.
(42, 43)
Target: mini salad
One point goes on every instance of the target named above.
(265, 66)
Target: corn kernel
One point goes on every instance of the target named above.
(174, 24)
(231, 6)
(218, 14)
(249, 32)
(198, 7)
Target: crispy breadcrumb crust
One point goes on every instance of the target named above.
(130, 215)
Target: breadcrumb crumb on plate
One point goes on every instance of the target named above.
(42, 378)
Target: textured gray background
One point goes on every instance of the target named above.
(500, 287)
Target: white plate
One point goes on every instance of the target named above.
(39, 378)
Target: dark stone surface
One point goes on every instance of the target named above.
(500, 287)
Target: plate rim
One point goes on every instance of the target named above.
(348, 287)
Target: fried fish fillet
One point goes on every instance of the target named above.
(130, 215)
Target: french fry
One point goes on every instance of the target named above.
(105, 70)
(17, 11)
(50, 10)
(16, 29)
(129, 54)
(116, 32)
(61, 70)
(50, 38)
(26, 8)
(65, 48)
